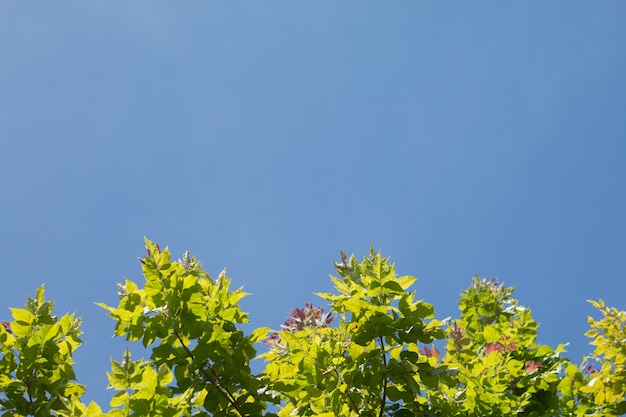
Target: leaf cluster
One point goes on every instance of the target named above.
(36, 373)
(379, 351)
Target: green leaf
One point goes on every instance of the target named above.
(491, 334)
(40, 295)
(23, 316)
(154, 287)
(94, 410)
(117, 381)
(119, 398)
(356, 306)
(259, 334)
(393, 286)
(406, 281)
(424, 309)
(164, 375)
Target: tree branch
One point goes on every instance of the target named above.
(213, 380)
(383, 399)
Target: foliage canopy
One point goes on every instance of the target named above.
(378, 352)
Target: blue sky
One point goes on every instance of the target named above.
(458, 138)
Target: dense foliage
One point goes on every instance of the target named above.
(378, 352)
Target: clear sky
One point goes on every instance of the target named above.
(459, 138)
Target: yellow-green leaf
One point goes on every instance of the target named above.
(22, 315)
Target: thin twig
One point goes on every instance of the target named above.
(215, 380)
(340, 378)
